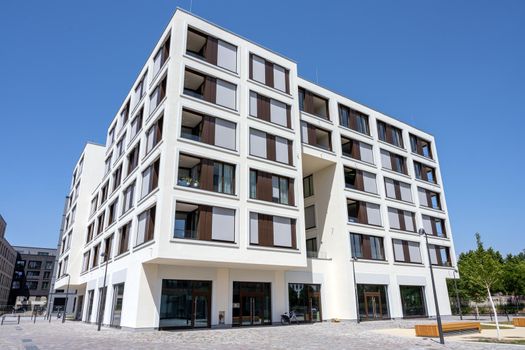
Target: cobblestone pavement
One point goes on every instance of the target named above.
(344, 335)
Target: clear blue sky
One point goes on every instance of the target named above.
(453, 68)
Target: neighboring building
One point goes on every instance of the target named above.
(32, 277)
(231, 190)
(7, 265)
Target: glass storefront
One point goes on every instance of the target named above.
(185, 304)
(252, 304)
(305, 301)
(118, 297)
(413, 301)
(373, 302)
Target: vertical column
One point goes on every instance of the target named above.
(222, 297)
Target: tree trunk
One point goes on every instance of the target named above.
(495, 313)
(477, 312)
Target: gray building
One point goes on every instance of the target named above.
(32, 276)
(7, 264)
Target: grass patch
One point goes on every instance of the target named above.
(503, 341)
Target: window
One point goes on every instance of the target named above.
(117, 177)
(107, 164)
(127, 202)
(434, 226)
(146, 226)
(360, 180)
(45, 285)
(270, 147)
(150, 178)
(104, 192)
(363, 212)
(206, 174)
(90, 230)
(94, 203)
(429, 198)
(34, 265)
(367, 247)
(85, 261)
(96, 252)
(269, 73)
(315, 136)
(272, 231)
(100, 223)
(140, 89)
(112, 215)
(161, 56)
(124, 115)
(309, 217)
(394, 162)
(402, 219)
(311, 247)
(157, 96)
(111, 136)
(133, 158)
(47, 274)
(390, 134)
(425, 172)
(420, 146)
(406, 251)
(121, 147)
(355, 120)
(308, 186)
(136, 124)
(108, 244)
(32, 285)
(273, 188)
(123, 244)
(32, 274)
(210, 89)
(357, 150)
(154, 135)
(439, 255)
(313, 104)
(270, 110)
(204, 222)
(209, 130)
(211, 50)
(398, 190)
(49, 265)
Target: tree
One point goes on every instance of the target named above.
(482, 271)
(513, 279)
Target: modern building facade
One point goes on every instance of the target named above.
(7, 265)
(32, 275)
(230, 190)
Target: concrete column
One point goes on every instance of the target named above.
(222, 297)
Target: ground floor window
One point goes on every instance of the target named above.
(59, 304)
(102, 292)
(413, 301)
(185, 304)
(252, 303)
(90, 298)
(305, 301)
(373, 301)
(118, 298)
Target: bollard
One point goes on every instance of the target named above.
(18, 319)
(3, 318)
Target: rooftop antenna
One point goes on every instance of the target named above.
(191, 4)
(316, 76)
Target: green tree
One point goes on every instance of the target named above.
(482, 271)
(513, 279)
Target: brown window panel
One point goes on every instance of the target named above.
(124, 115)
(313, 104)
(425, 172)
(266, 232)
(390, 134)
(442, 255)
(353, 119)
(317, 137)
(421, 146)
(269, 71)
(124, 233)
(350, 148)
(264, 187)
(367, 247)
(133, 158)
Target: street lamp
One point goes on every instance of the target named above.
(422, 232)
(67, 295)
(457, 296)
(354, 259)
(100, 315)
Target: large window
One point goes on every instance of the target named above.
(210, 130)
(136, 124)
(308, 186)
(363, 212)
(394, 162)
(425, 172)
(355, 120)
(117, 177)
(158, 95)
(271, 147)
(305, 301)
(146, 225)
(360, 180)
(434, 226)
(270, 110)
(133, 158)
(398, 190)
(212, 50)
(112, 212)
(406, 251)
(272, 231)
(128, 200)
(140, 89)
(313, 104)
(357, 150)
(271, 187)
(311, 247)
(429, 198)
(389, 133)
(420, 146)
(367, 247)
(206, 174)
(154, 135)
(161, 56)
(150, 178)
(123, 244)
(402, 219)
(439, 255)
(315, 136)
(210, 89)
(373, 301)
(269, 73)
(413, 301)
(309, 217)
(204, 222)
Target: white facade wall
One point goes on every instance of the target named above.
(143, 267)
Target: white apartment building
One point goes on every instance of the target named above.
(230, 191)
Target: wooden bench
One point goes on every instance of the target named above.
(431, 330)
(518, 321)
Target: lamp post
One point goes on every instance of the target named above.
(422, 232)
(457, 296)
(354, 259)
(100, 315)
(67, 296)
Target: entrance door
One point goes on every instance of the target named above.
(314, 305)
(373, 307)
(251, 303)
(118, 297)
(201, 310)
(78, 314)
(252, 312)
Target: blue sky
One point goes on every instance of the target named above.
(453, 68)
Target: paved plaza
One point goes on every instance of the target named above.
(327, 335)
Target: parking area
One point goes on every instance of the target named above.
(326, 335)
